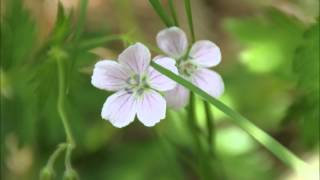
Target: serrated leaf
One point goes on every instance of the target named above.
(18, 35)
(62, 26)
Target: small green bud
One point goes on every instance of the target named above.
(70, 174)
(47, 173)
(57, 53)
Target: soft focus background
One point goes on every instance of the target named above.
(270, 67)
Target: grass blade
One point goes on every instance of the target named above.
(161, 12)
(173, 13)
(259, 135)
(187, 5)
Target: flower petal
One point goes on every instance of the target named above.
(119, 109)
(178, 97)
(173, 41)
(109, 75)
(151, 108)
(209, 81)
(136, 57)
(205, 53)
(157, 80)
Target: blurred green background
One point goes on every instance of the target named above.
(270, 67)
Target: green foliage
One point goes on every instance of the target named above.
(30, 76)
(268, 43)
(306, 68)
(18, 35)
(62, 27)
(270, 40)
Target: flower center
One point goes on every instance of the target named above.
(137, 84)
(187, 67)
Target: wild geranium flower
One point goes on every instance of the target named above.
(192, 64)
(137, 85)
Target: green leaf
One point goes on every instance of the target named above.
(18, 39)
(306, 67)
(18, 35)
(161, 12)
(62, 27)
(81, 19)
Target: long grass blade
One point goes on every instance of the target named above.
(187, 5)
(161, 12)
(259, 135)
(173, 13)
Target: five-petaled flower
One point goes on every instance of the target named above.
(192, 64)
(137, 85)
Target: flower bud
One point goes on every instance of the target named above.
(47, 173)
(70, 174)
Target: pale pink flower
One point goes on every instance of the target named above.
(137, 85)
(192, 64)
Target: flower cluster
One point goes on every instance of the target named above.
(138, 86)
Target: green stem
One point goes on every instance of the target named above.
(68, 156)
(61, 100)
(200, 154)
(192, 122)
(259, 135)
(56, 154)
(161, 12)
(217, 163)
(211, 128)
(61, 111)
(173, 13)
(187, 6)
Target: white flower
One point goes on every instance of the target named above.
(192, 64)
(137, 85)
